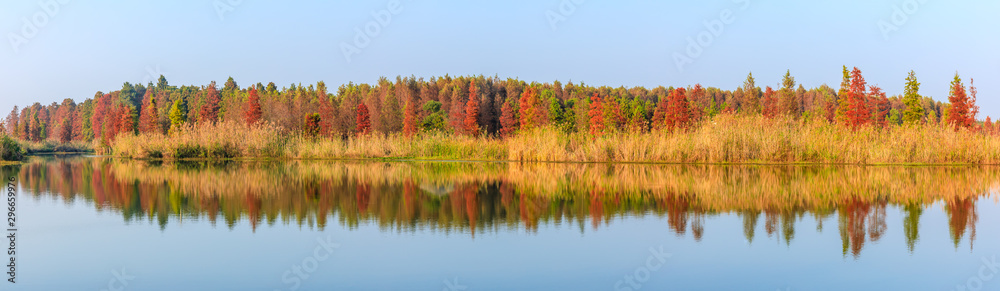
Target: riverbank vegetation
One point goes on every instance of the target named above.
(479, 118)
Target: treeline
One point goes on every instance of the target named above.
(476, 105)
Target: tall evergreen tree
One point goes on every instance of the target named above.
(914, 112)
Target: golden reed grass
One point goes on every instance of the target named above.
(723, 139)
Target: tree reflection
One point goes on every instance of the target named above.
(474, 198)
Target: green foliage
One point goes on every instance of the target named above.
(10, 149)
(178, 114)
(894, 117)
(914, 111)
(555, 108)
(435, 120)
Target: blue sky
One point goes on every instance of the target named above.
(85, 47)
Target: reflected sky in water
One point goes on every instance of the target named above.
(490, 226)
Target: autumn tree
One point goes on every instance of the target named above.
(149, 119)
(11, 122)
(102, 107)
(508, 119)
(789, 100)
(363, 120)
(973, 107)
(959, 113)
(660, 113)
(310, 125)
(251, 110)
(529, 109)
(858, 113)
(472, 111)
(751, 96)
(771, 106)
(914, 111)
(613, 115)
(456, 116)
(596, 114)
(843, 98)
(409, 119)
(210, 108)
(881, 106)
(63, 120)
(678, 111)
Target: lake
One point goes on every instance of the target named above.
(94, 223)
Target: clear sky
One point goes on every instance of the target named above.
(56, 49)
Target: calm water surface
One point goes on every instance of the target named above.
(89, 223)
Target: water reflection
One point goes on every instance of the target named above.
(487, 197)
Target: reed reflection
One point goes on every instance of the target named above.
(488, 197)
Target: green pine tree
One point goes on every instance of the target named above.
(914, 111)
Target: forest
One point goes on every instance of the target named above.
(450, 117)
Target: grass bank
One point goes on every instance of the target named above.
(723, 139)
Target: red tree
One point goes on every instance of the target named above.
(880, 106)
(252, 111)
(988, 126)
(973, 107)
(102, 108)
(410, 118)
(660, 113)
(210, 109)
(363, 120)
(472, 111)
(78, 121)
(508, 119)
(596, 114)
(126, 123)
(771, 107)
(311, 125)
(858, 113)
(678, 111)
(149, 119)
(700, 100)
(958, 114)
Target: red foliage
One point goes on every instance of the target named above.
(973, 107)
(210, 109)
(858, 113)
(958, 114)
(508, 119)
(699, 100)
(988, 126)
(410, 119)
(149, 119)
(252, 111)
(771, 107)
(472, 111)
(660, 113)
(363, 120)
(78, 120)
(63, 121)
(311, 125)
(678, 111)
(126, 123)
(596, 114)
(880, 105)
(102, 108)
